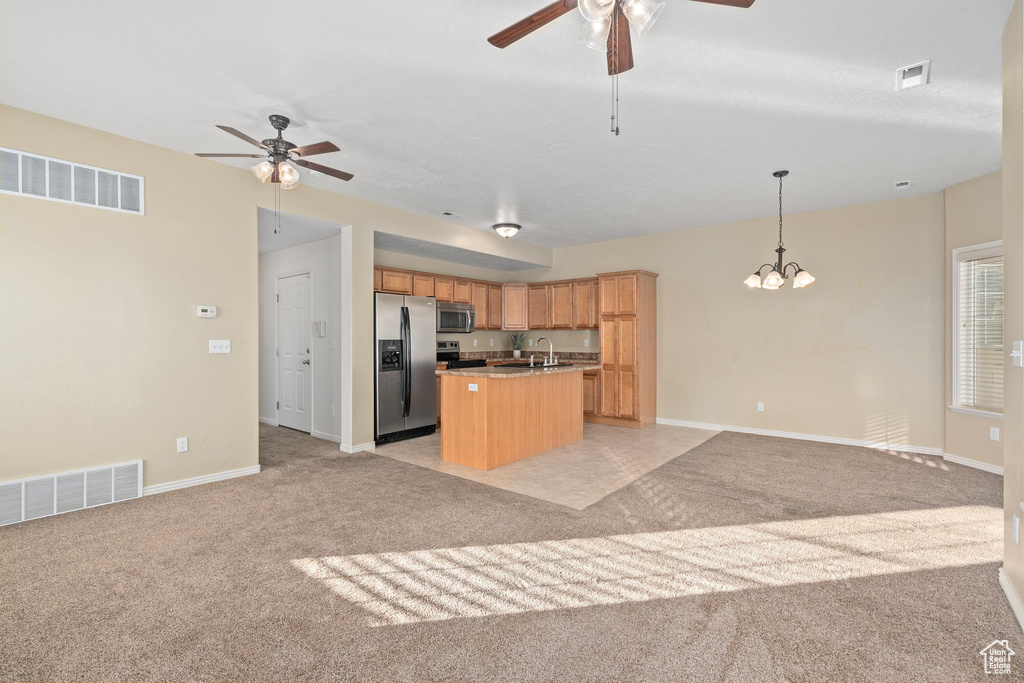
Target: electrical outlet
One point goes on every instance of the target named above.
(993, 433)
(220, 346)
(182, 444)
(492, 342)
(531, 342)
(334, 412)
(1016, 528)
(760, 407)
(474, 387)
(474, 342)
(586, 342)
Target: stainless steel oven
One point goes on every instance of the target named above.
(452, 317)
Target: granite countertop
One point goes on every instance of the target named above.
(497, 372)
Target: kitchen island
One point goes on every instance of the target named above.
(493, 416)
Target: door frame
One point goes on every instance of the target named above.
(277, 345)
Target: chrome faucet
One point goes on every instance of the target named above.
(551, 349)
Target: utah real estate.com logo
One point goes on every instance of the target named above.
(997, 657)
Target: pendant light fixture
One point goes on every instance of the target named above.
(777, 276)
(506, 230)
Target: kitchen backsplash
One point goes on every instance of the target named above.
(581, 341)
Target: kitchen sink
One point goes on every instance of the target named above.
(527, 365)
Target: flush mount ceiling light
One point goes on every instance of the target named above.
(777, 275)
(506, 230)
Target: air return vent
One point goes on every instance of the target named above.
(63, 181)
(57, 493)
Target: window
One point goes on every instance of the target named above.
(978, 328)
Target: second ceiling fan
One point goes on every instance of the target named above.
(608, 23)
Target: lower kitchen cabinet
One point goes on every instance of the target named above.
(590, 392)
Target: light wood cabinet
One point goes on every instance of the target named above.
(395, 281)
(444, 288)
(377, 276)
(494, 306)
(463, 292)
(561, 305)
(627, 392)
(514, 307)
(584, 304)
(590, 393)
(422, 284)
(539, 306)
(479, 299)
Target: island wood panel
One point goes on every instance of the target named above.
(514, 307)
(444, 288)
(508, 419)
(494, 306)
(561, 305)
(463, 292)
(422, 284)
(479, 299)
(539, 306)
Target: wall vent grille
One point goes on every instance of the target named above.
(33, 175)
(68, 491)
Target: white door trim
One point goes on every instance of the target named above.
(277, 345)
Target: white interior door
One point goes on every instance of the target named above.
(294, 389)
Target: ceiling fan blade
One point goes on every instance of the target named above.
(620, 50)
(531, 23)
(316, 148)
(243, 136)
(326, 170)
(731, 3)
(250, 156)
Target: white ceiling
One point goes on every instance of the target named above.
(446, 252)
(430, 117)
(294, 230)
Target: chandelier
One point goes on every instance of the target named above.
(779, 273)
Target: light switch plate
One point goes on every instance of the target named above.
(1018, 354)
(220, 346)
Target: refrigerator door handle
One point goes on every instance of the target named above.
(406, 362)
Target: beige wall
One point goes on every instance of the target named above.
(103, 358)
(974, 214)
(1013, 293)
(856, 355)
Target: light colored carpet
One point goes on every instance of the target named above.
(576, 475)
(751, 559)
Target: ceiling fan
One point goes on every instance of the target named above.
(608, 23)
(279, 152)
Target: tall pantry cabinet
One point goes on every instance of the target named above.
(628, 386)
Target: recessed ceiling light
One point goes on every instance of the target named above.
(901, 184)
(913, 75)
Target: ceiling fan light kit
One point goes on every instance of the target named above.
(777, 276)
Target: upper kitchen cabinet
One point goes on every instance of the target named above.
(515, 307)
(479, 299)
(561, 305)
(539, 306)
(377, 276)
(463, 293)
(444, 288)
(619, 292)
(422, 284)
(494, 306)
(584, 304)
(395, 281)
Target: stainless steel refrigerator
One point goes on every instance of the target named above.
(406, 350)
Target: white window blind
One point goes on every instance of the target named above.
(978, 340)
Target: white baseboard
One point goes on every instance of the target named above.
(1012, 597)
(195, 481)
(268, 421)
(976, 464)
(357, 448)
(326, 437)
(804, 437)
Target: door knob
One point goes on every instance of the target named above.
(305, 362)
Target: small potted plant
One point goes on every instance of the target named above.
(517, 339)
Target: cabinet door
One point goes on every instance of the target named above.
(626, 294)
(422, 284)
(608, 376)
(561, 305)
(396, 281)
(462, 293)
(609, 294)
(478, 292)
(584, 304)
(377, 279)
(595, 298)
(444, 288)
(589, 393)
(494, 308)
(540, 307)
(514, 307)
(626, 367)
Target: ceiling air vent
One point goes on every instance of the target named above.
(33, 175)
(451, 214)
(913, 76)
(901, 184)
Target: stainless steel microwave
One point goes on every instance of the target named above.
(453, 317)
